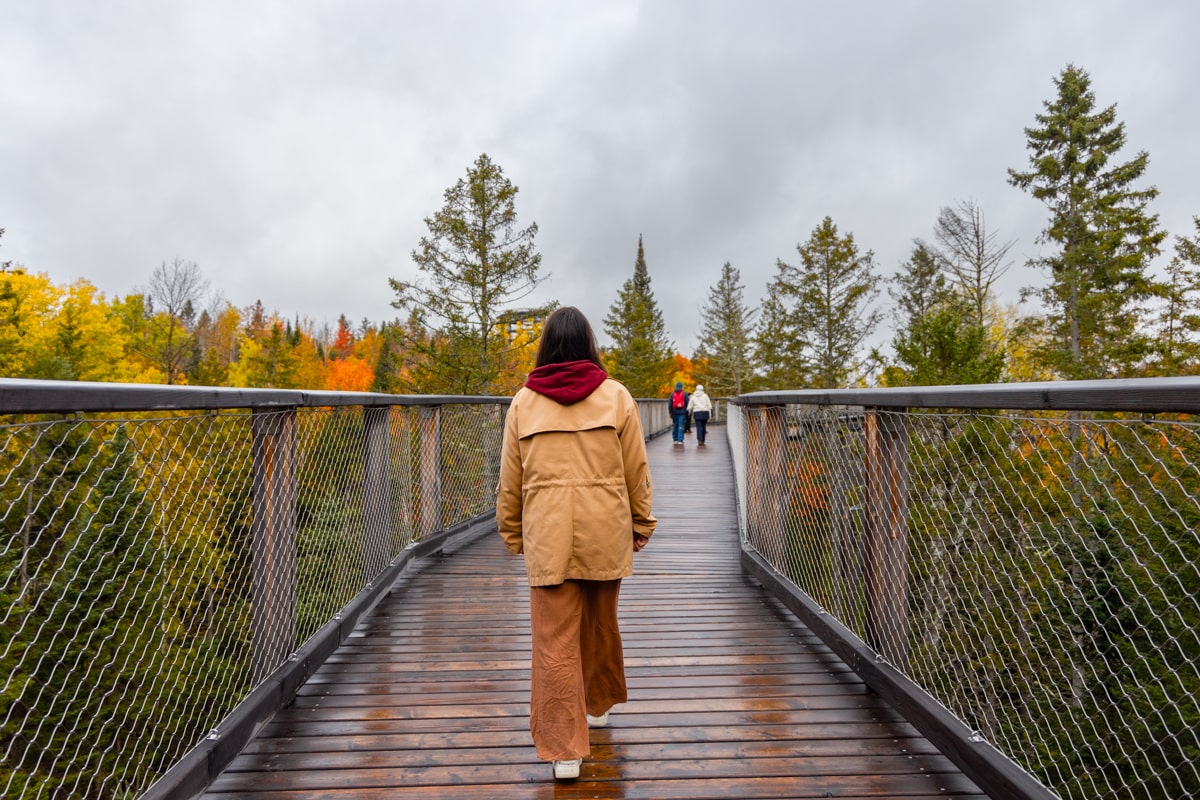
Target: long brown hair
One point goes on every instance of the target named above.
(567, 336)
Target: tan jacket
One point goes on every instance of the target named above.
(574, 485)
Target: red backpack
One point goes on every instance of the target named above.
(677, 400)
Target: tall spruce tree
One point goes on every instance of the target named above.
(1101, 228)
(387, 365)
(779, 350)
(726, 335)
(1179, 320)
(475, 262)
(920, 286)
(641, 356)
(835, 287)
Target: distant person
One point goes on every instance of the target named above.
(701, 408)
(677, 404)
(574, 498)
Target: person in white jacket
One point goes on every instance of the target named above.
(700, 404)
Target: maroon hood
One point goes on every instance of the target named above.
(568, 382)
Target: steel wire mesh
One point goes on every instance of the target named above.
(155, 567)
(470, 460)
(1037, 574)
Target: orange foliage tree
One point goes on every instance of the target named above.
(682, 371)
(352, 358)
(350, 374)
(343, 340)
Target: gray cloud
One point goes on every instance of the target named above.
(293, 149)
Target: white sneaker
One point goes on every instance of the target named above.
(567, 770)
(598, 722)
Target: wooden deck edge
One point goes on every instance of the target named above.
(993, 771)
(192, 774)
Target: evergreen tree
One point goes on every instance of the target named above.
(1104, 234)
(1179, 322)
(834, 289)
(946, 346)
(919, 288)
(921, 285)
(475, 262)
(641, 355)
(726, 335)
(387, 365)
(939, 338)
(779, 351)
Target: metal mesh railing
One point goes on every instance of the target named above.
(1037, 573)
(156, 566)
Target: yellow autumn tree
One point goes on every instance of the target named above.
(27, 305)
(57, 332)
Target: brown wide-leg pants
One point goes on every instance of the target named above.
(578, 667)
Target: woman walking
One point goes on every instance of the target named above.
(574, 498)
(700, 405)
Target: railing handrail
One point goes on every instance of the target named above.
(25, 396)
(1148, 395)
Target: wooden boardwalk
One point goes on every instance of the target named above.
(730, 696)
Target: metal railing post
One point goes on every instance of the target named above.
(494, 454)
(431, 469)
(376, 493)
(845, 477)
(273, 582)
(886, 557)
(766, 517)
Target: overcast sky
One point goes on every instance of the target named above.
(292, 149)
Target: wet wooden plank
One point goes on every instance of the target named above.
(730, 695)
(920, 773)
